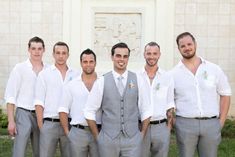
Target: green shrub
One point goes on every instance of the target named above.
(3, 119)
(229, 129)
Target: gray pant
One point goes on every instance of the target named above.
(82, 143)
(157, 141)
(122, 146)
(26, 124)
(205, 135)
(51, 134)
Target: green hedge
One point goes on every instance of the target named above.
(3, 119)
(229, 129)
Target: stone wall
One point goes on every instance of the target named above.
(211, 21)
(19, 21)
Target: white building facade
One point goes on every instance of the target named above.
(98, 24)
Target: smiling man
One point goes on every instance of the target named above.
(120, 96)
(202, 99)
(73, 102)
(160, 91)
(48, 92)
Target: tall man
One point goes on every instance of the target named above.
(48, 91)
(160, 90)
(73, 102)
(202, 98)
(120, 97)
(20, 93)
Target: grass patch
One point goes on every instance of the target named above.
(226, 147)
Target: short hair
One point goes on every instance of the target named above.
(87, 52)
(152, 43)
(60, 43)
(120, 45)
(180, 36)
(36, 40)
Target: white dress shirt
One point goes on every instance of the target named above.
(198, 95)
(21, 84)
(160, 93)
(73, 101)
(95, 98)
(49, 87)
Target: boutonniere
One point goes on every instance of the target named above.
(131, 85)
(205, 75)
(157, 86)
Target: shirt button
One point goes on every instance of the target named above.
(122, 100)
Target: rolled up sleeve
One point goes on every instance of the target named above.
(94, 100)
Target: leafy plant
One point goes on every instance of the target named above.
(229, 129)
(3, 119)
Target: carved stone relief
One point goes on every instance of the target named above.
(111, 28)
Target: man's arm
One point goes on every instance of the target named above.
(39, 113)
(64, 122)
(224, 107)
(11, 119)
(144, 127)
(144, 105)
(93, 105)
(93, 127)
(170, 118)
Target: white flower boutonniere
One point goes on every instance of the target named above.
(131, 84)
(205, 75)
(157, 86)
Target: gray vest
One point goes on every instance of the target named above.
(120, 113)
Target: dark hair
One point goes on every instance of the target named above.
(36, 40)
(183, 35)
(120, 45)
(87, 52)
(152, 43)
(60, 43)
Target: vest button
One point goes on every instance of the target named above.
(122, 100)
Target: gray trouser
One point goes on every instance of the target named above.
(51, 134)
(82, 143)
(121, 146)
(26, 124)
(205, 135)
(156, 141)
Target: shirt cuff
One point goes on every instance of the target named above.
(38, 102)
(146, 115)
(11, 100)
(171, 105)
(225, 92)
(90, 116)
(63, 109)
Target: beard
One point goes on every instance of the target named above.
(188, 56)
(151, 64)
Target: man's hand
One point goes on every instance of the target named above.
(12, 128)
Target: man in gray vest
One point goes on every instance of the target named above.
(121, 97)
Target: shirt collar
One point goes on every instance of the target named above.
(28, 63)
(159, 71)
(53, 67)
(180, 64)
(116, 75)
